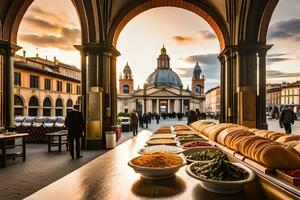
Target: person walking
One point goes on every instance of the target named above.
(75, 124)
(192, 117)
(286, 119)
(157, 117)
(145, 119)
(134, 122)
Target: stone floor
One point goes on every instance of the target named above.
(19, 180)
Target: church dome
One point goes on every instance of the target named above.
(163, 77)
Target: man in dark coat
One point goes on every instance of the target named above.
(145, 119)
(134, 122)
(287, 117)
(75, 125)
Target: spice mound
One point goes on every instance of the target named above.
(219, 170)
(157, 160)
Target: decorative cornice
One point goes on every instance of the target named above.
(97, 48)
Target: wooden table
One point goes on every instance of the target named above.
(52, 142)
(4, 146)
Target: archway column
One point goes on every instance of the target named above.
(8, 51)
(262, 121)
(100, 89)
(228, 89)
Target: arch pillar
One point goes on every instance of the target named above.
(7, 51)
(262, 53)
(99, 90)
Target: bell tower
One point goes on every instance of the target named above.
(198, 81)
(163, 61)
(126, 81)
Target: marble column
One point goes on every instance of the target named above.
(8, 50)
(247, 85)
(113, 85)
(262, 123)
(222, 90)
(169, 106)
(157, 106)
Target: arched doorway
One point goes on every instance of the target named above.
(69, 105)
(33, 106)
(19, 106)
(47, 106)
(59, 107)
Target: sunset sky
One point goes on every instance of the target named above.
(52, 29)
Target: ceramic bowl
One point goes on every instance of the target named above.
(223, 187)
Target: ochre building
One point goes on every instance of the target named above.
(212, 100)
(163, 91)
(43, 87)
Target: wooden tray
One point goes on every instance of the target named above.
(259, 166)
(286, 177)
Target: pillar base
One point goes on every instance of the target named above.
(94, 144)
(263, 126)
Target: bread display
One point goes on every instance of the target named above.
(272, 149)
(215, 130)
(297, 148)
(287, 138)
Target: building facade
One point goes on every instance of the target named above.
(285, 94)
(44, 88)
(162, 92)
(212, 100)
(273, 95)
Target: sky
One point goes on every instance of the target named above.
(52, 29)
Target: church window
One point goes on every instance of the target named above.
(198, 89)
(126, 89)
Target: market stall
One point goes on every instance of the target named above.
(110, 177)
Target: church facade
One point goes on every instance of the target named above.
(163, 90)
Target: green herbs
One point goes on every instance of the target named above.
(220, 170)
(207, 154)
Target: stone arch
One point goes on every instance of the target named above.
(18, 9)
(202, 9)
(59, 106)
(47, 102)
(18, 105)
(34, 101)
(33, 106)
(47, 106)
(59, 103)
(265, 21)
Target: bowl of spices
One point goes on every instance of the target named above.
(197, 154)
(221, 176)
(158, 165)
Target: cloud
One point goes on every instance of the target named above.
(205, 59)
(36, 11)
(186, 40)
(183, 40)
(67, 38)
(277, 57)
(271, 74)
(286, 30)
(40, 24)
(207, 35)
(209, 64)
(48, 32)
